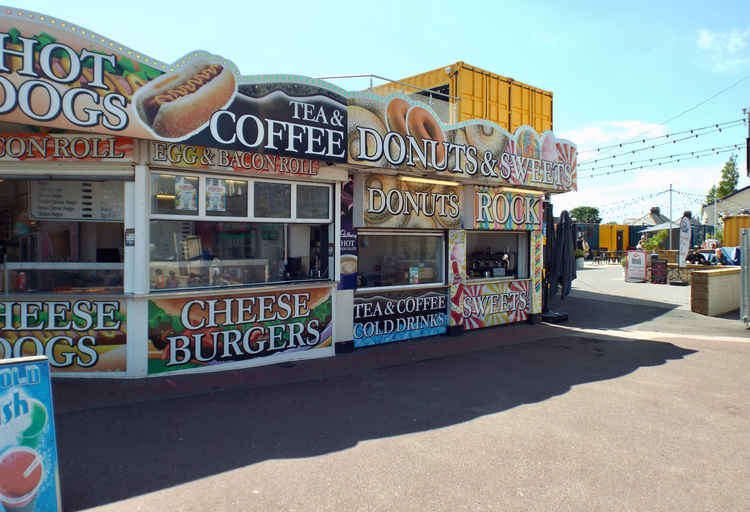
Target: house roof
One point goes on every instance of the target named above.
(728, 196)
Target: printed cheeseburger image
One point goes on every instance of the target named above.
(211, 331)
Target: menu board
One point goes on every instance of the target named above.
(659, 271)
(77, 200)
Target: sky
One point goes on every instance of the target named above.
(617, 72)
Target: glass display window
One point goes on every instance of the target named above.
(394, 259)
(173, 194)
(63, 236)
(201, 254)
(199, 196)
(497, 255)
(226, 198)
(242, 231)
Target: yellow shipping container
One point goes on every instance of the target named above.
(613, 237)
(482, 95)
(732, 226)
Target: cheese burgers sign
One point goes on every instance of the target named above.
(57, 74)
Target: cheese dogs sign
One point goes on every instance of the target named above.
(57, 74)
(398, 132)
(75, 335)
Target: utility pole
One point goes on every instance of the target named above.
(670, 217)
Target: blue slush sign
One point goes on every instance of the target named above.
(29, 474)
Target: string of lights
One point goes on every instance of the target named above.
(668, 135)
(734, 147)
(716, 129)
(657, 158)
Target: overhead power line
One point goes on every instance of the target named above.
(659, 164)
(657, 158)
(665, 136)
(694, 134)
(699, 104)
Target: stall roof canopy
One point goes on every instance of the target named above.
(661, 227)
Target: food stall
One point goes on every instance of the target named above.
(442, 222)
(162, 218)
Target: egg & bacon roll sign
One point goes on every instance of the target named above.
(57, 74)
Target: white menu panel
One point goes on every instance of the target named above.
(77, 200)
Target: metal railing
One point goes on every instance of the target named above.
(444, 105)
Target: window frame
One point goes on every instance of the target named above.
(250, 217)
(407, 286)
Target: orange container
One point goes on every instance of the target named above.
(482, 95)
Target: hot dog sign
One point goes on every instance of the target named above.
(57, 74)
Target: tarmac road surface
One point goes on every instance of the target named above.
(586, 416)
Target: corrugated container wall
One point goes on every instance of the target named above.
(483, 95)
(609, 235)
(732, 226)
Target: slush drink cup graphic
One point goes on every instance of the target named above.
(30, 436)
(21, 473)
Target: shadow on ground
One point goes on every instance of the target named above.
(589, 310)
(597, 311)
(115, 453)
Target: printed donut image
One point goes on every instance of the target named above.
(486, 138)
(396, 115)
(421, 125)
(358, 116)
(178, 103)
(527, 143)
(457, 137)
(375, 181)
(549, 150)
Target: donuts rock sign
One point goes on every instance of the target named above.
(385, 201)
(57, 74)
(400, 133)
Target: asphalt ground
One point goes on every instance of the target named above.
(605, 412)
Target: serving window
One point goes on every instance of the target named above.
(242, 232)
(62, 236)
(497, 255)
(394, 259)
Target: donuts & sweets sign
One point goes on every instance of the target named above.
(401, 133)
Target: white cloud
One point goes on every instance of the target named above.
(727, 50)
(607, 133)
(631, 195)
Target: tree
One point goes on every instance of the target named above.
(728, 182)
(587, 214)
(711, 195)
(729, 178)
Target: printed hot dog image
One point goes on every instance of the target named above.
(181, 102)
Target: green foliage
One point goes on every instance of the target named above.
(658, 241)
(587, 214)
(729, 178)
(728, 182)
(710, 194)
